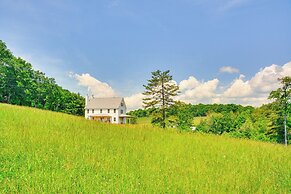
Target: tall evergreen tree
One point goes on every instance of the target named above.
(283, 100)
(159, 93)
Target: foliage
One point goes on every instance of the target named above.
(159, 93)
(131, 120)
(263, 123)
(184, 118)
(195, 110)
(283, 95)
(139, 113)
(217, 123)
(48, 152)
(200, 110)
(21, 85)
(258, 124)
(282, 98)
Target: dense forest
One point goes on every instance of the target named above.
(20, 84)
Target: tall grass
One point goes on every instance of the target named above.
(47, 152)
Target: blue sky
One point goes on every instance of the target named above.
(119, 42)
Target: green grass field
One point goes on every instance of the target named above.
(147, 120)
(144, 120)
(47, 152)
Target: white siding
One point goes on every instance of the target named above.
(104, 112)
(111, 113)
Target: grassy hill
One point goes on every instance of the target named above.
(42, 151)
(147, 120)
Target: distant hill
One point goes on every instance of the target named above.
(49, 152)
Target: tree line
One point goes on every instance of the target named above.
(270, 122)
(20, 84)
(262, 123)
(195, 110)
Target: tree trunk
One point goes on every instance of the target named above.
(163, 106)
(285, 130)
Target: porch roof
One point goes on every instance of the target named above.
(100, 115)
(124, 115)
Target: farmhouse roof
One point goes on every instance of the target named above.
(104, 103)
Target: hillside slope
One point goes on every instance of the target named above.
(50, 152)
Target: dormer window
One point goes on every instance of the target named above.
(121, 104)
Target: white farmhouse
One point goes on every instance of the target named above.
(110, 110)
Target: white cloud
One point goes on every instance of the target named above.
(238, 88)
(94, 86)
(254, 91)
(267, 78)
(101, 89)
(228, 69)
(195, 91)
(190, 83)
(134, 101)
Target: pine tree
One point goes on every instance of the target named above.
(159, 93)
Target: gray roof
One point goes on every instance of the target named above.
(104, 103)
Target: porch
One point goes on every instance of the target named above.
(102, 118)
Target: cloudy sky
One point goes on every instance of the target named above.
(218, 51)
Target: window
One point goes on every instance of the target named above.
(87, 110)
(114, 110)
(121, 111)
(121, 104)
(114, 119)
(92, 110)
(100, 110)
(108, 110)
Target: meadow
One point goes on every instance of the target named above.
(147, 120)
(48, 152)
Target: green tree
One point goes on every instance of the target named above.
(184, 119)
(159, 93)
(20, 84)
(282, 98)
